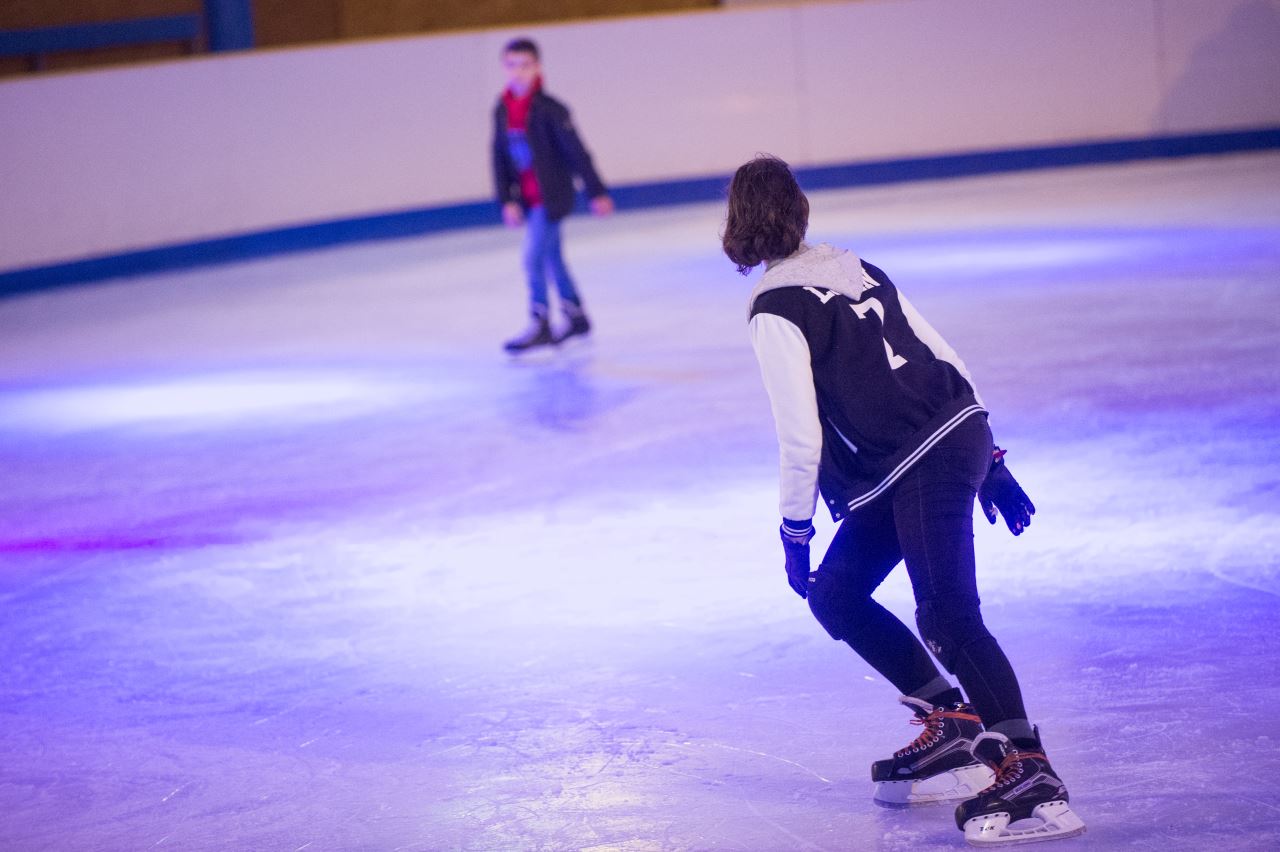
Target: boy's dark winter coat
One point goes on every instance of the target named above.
(558, 154)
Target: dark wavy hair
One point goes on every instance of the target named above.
(768, 214)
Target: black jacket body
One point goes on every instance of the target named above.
(558, 155)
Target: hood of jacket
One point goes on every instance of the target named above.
(823, 266)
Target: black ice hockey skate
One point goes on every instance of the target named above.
(577, 325)
(1027, 802)
(537, 334)
(939, 765)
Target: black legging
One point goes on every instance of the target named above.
(927, 519)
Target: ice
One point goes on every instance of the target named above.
(293, 557)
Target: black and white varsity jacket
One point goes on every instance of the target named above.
(861, 386)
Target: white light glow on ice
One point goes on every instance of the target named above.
(216, 399)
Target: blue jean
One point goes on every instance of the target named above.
(542, 255)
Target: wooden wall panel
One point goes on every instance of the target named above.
(295, 21)
(29, 14)
(280, 22)
(32, 14)
(365, 18)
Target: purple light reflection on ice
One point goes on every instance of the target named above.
(539, 605)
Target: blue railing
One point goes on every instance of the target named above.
(37, 44)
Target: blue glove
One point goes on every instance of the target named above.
(795, 544)
(1001, 491)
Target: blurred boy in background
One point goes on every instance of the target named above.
(536, 155)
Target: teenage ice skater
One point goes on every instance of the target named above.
(536, 154)
(876, 414)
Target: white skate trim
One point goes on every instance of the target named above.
(961, 783)
(1048, 821)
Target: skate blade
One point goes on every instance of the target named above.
(534, 354)
(962, 783)
(1048, 821)
(572, 344)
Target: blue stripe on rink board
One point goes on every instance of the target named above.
(636, 196)
(247, 246)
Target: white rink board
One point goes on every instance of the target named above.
(104, 162)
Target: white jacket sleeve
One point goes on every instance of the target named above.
(940, 348)
(784, 359)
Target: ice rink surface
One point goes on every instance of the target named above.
(293, 557)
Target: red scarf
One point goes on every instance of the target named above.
(518, 119)
(518, 105)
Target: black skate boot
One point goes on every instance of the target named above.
(576, 323)
(537, 334)
(939, 765)
(1027, 802)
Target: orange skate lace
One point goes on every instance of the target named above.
(932, 729)
(1010, 769)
